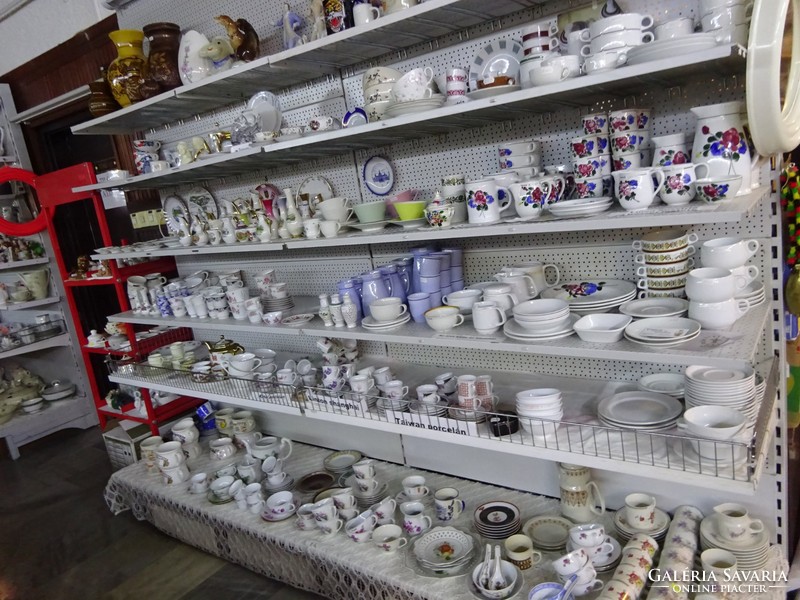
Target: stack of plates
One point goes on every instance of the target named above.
(340, 462)
(370, 323)
(625, 531)
(444, 549)
(581, 207)
(753, 293)
(662, 332)
(286, 484)
(750, 555)
(648, 308)
(734, 388)
(497, 520)
(516, 331)
(671, 384)
(415, 106)
(275, 304)
(438, 409)
(463, 414)
(396, 405)
(549, 534)
(593, 296)
(641, 411)
(367, 499)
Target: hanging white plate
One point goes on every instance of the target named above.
(639, 408)
(590, 291)
(193, 68)
(314, 186)
(200, 199)
(662, 329)
(493, 91)
(378, 175)
(268, 108)
(659, 49)
(174, 206)
(655, 307)
(500, 57)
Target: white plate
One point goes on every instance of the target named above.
(591, 291)
(193, 68)
(297, 319)
(662, 329)
(655, 307)
(660, 49)
(588, 211)
(428, 547)
(268, 108)
(200, 198)
(368, 227)
(410, 223)
(717, 376)
(174, 206)
(663, 383)
(491, 92)
(314, 186)
(415, 106)
(661, 344)
(378, 175)
(500, 57)
(370, 323)
(551, 531)
(639, 408)
(512, 328)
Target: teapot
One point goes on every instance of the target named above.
(222, 448)
(270, 446)
(224, 345)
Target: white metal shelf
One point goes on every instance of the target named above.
(661, 216)
(22, 264)
(422, 23)
(30, 303)
(580, 398)
(581, 91)
(53, 342)
(739, 351)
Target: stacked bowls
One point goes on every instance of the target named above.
(665, 261)
(523, 158)
(377, 86)
(733, 388)
(543, 410)
(542, 316)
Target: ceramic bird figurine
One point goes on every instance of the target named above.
(220, 53)
(290, 22)
(318, 29)
(244, 38)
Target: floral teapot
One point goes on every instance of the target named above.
(224, 346)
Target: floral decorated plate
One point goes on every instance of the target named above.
(590, 291)
(297, 319)
(443, 546)
(174, 206)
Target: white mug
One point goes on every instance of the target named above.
(365, 13)
(487, 317)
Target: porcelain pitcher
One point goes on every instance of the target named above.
(580, 496)
(719, 142)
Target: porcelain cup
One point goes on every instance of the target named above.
(336, 209)
(222, 448)
(483, 203)
(185, 432)
(590, 534)
(571, 563)
(530, 197)
(365, 13)
(448, 504)
(384, 510)
(734, 524)
(463, 299)
(718, 315)
(444, 318)
(389, 538)
(728, 253)
(487, 317)
(519, 550)
(221, 487)
(364, 469)
(679, 183)
(361, 384)
(387, 309)
(414, 487)
(722, 564)
(618, 40)
(676, 28)
(169, 455)
(640, 511)
(635, 188)
(324, 511)
(414, 519)
(330, 229)
(414, 85)
(330, 527)
(711, 284)
(382, 375)
(367, 485)
(395, 389)
(500, 293)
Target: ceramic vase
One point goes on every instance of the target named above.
(127, 73)
(162, 61)
(101, 102)
(349, 312)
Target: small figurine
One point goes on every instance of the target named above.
(185, 153)
(81, 268)
(220, 53)
(318, 29)
(244, 38)
(200, 146)
(104, 270)
(290, 22)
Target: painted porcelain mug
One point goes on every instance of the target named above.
(635, 188)
(483, 203)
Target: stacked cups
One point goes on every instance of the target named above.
(665, 260)
(727, 19)
(711, 292)
(589, 151)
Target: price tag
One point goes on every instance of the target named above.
(241, 147)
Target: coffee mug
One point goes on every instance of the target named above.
(365, 13)
(635, 189)
(483, 203)
(519, 550)
(640, 511)
(389, 538)
(414, 519)
(487, 317)
(448, 505)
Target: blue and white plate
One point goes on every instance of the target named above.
(378, 175)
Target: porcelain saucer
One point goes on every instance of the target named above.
(370, 323)
(708, 530)
(410, 223)
(368, 227)
(402, 497)
(270, 519)
(659, 526)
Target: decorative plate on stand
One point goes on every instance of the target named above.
(174, 207)
(378, 175)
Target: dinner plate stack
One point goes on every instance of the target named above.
(393, 404)
(540, 319)
(753, 293)
(662, 332)
(341, 461)
(734, 388)
(396, 109)
(625, 531)
(497, 520)
(593, 296)
(752, 554)
(444, 550)
(581, 207)
(465, 414)
(275, 304)
(549, 533)
(435, 409)
(640, 411)
(367, 499)
(540, 411)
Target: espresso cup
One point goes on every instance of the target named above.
(395, 389)
(389, 538)
(640, 511)
(414, 487)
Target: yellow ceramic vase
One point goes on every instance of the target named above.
(127, 73)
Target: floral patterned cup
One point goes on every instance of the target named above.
(635, 188)
(679, 182)
(414, 521)
(483, 203)
(640, 511)
(530, 197)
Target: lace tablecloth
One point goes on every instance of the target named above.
(334, 567)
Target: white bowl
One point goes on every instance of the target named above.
(544, 326)
(509, 572)
(539, 394)
(711, 421)
(541, 307)
(605, 328)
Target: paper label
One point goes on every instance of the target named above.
(433, 423)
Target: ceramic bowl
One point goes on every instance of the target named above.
(57, 390)
(408, 211)
(509, 572)
(371, 212)
(718, 189)
(665, 240)
(713, 422)
(666, 283)
(603, 328)
(379, 75)
(377, 110)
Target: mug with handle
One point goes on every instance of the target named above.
(483, 201)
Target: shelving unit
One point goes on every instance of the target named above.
(53, 190)
(424, 147)
(30, 303)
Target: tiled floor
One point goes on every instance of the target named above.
(59, 541)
